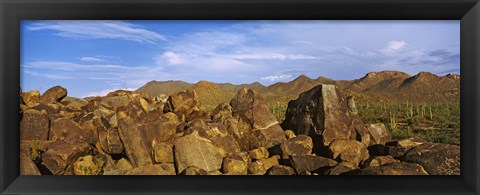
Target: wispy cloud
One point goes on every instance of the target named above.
(94, 29)
(275, 56)
(48, 76)
(70, 66)
(92, 59)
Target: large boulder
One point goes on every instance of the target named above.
(61, 154)
(301, 145)
(70, 131)
(398, 168)
(136, 148)
(182, 103)
(54, 94)
(316, 164)
(157, 169)
(348, 151)
(255, 118)
(110, 141)
(161, 130)
(379, 133)
(322, 113)
(436, 158)
(27, 166)
(34, 125)
(194, 150)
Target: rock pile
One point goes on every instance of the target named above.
(126, 133)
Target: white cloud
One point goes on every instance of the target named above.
(105, 92)
(95, 29)
(273, 78)
(171, 58)
(394, 46)
(91, 59)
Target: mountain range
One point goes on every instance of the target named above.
(384, 86)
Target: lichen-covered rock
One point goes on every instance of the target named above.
(281, 170)
(194, 150)
(31, 98)
(379, 133)
(348, 151)
(60, 154)
(34, 125)
(85, 166)
(157, 169)
(301, 145)
(303, 164)
(27, 166)
(399, 168)
(289, 134)
(163, 153)
(259, 153)
(54, 94)
(379, 160)
(236, 164)
(436, 158)
(260, 167)
(253, 114)
(322, 113)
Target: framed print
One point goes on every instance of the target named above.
(213, 96)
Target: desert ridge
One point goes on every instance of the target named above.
(132, 133)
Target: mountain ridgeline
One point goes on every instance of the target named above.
(384, 86)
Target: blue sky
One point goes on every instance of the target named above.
(96, 57)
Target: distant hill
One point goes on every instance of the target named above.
(383, 86)
(163, 87)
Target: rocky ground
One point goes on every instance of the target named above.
(126, 133)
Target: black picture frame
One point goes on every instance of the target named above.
(12, 11)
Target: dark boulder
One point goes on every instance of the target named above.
(322, 113)
(436, 158)
(54, 94)
(34, 125)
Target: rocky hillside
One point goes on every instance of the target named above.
(384, 86)
(127, 133)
